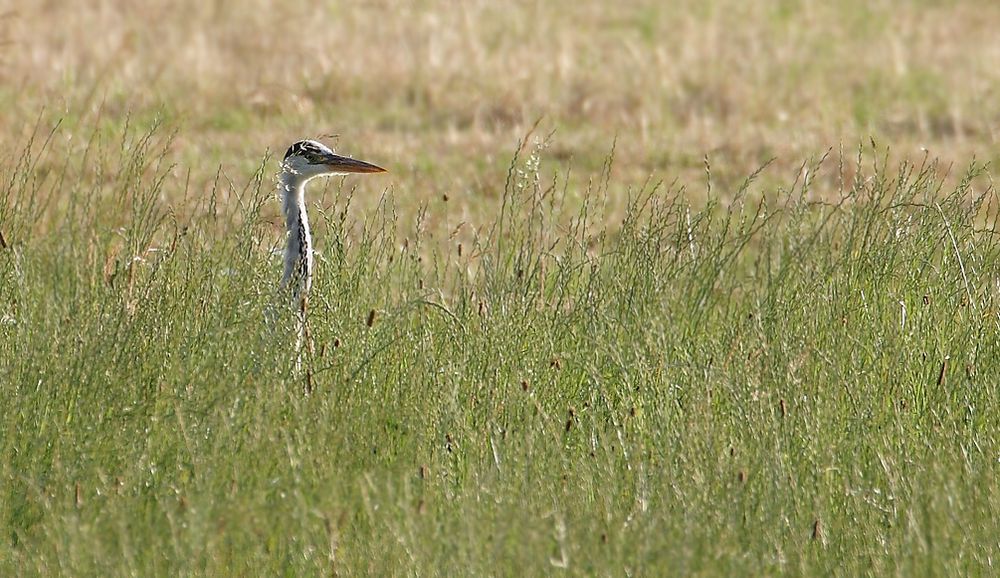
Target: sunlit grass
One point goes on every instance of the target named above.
(770, 384)
(516, 367)
(440, 92)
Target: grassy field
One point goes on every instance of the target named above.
(618, 341)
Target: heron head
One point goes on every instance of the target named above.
(309, 158)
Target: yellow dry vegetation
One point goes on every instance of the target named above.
(441, 91)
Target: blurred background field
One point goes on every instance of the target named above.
(441, 91)
(528, 359)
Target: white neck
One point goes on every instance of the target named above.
(298, 250)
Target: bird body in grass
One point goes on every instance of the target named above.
(304, 161)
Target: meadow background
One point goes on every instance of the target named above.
(576, 329)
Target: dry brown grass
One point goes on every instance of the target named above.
(440, 91)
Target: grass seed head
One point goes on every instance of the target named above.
(943, 372)
(817, 531)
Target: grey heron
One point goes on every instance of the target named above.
(304, 161)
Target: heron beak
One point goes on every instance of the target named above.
(339, 164)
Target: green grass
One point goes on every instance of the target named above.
(770, 385)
